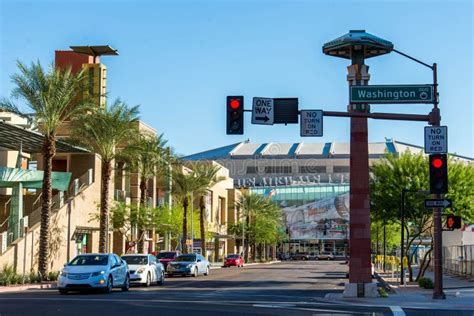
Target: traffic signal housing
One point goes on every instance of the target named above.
(453, 222)
(438, 174)
(235, 115)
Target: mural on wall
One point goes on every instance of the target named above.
(323, 219)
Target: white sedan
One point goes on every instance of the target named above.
(145, 269)
(94, 271)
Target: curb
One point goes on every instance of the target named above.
(25, 287)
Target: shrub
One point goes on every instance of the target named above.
(7, 275)
(425, 283)
(382, 292)
(53, 276)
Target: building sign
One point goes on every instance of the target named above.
(291, 180)
(391, 94)
(323, 219)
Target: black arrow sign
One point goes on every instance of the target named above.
(262, 118)
(438, 203)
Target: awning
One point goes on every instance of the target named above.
(11, 136)
(33, 179)
(80, 231)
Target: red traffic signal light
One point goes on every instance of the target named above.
(453, 222)
(235, 115)
(438, 174)
(234, 104)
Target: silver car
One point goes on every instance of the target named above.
(189, 264)
(94, 271)
(144, 269)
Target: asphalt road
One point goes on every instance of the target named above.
(288, 288)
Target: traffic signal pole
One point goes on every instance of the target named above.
(438, 292)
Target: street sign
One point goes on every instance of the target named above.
(444, 203)
(286, 110)
(262, 111)
(311, 123)
(436, 139)
(391, 94)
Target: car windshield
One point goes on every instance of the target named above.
(99, 260)
(232, 256)
(136, 259)
(186, 258)
(166, 255)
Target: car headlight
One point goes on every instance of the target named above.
(98, 273)
(141, 270)
(189, 265)
(64, 274)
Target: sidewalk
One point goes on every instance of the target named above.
(459, 294)
(218, 265)
(25, 287)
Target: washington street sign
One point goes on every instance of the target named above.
(391, 94)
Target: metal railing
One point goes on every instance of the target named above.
(459, 260)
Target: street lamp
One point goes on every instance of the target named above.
(358, 45)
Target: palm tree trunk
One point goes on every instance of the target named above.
(104, 205)
(185, 225)
(49, 150)
(143, 206)
(247, 240)
(202, 223)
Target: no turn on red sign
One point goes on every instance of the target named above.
(436, 139)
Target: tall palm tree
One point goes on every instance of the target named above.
(51, 97)
(147, 156)
(184, 183)
(207, 175)
(250, 204)
(101, 132)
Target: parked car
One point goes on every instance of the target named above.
(234, 260)
(283, 256)
(325, 256)
(94, 271)
(189, 264)
(165, 257)
(144, 269)
(299, 256)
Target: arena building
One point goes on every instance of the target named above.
(310, 181)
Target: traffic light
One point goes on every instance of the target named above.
(235, 115)
(453, 222)
(438, 174)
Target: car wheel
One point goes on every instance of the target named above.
(126, 284)
(148, 280)
(110, 285)
(162, 280)
(62, 291)
(207, 271)
(195, 272)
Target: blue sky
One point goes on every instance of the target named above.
(180, 59)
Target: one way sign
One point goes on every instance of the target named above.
(444, 203)
(263, 111)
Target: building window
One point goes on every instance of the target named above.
(312, 169)
(278, 169)
(91, 81)
(341, 169)
(252, 170)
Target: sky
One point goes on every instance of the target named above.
(180, 59)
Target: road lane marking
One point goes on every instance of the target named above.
(397, 311)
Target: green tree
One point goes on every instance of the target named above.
(185, 181)
(410, 171)
(207, 173)
(51, 97)
(146, 155)
(101, 132)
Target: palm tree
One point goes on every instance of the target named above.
(147, 156)
(102, 132)
(184, 183)
(251, 205)
(207, 174)
(51, 97)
